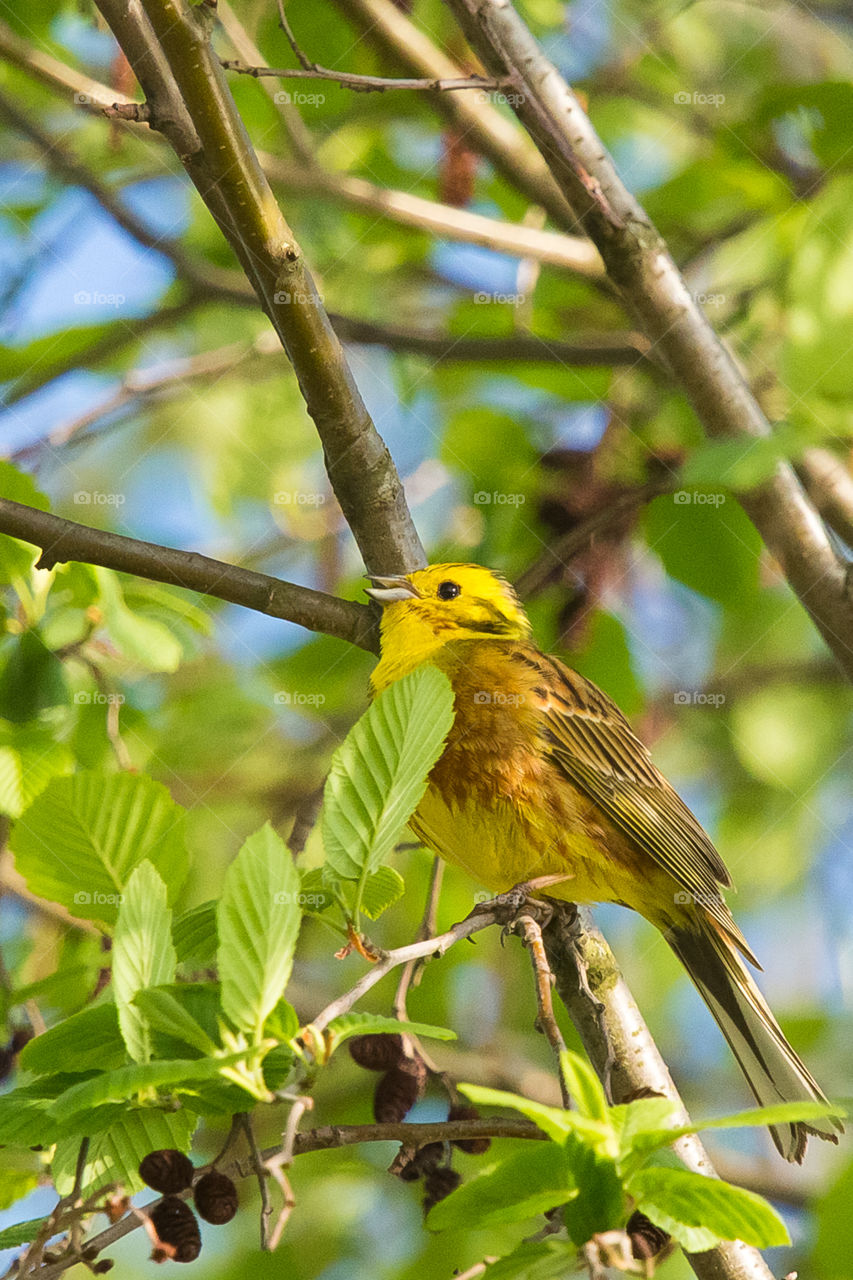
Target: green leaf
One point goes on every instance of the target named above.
(379, 773)
(31, 680)
(535, 1260)
(163, 1012)
(557, 1123)
(142, 640)
(258, 919)
(143, 955)
(699, 1211)
(705, 541)
(80, 840)
(195, 937)
(525, 1184)
(114, 1155)
(584, 1086)
(88, 1040)
(381, 890)
(201, 1004)
(368, 1024)
(600, 1203)
(315, 893)
(29, 757)
(127, 1082)
(25, 1120)
(283, 1022)
(641, 1134)
(20, 1233)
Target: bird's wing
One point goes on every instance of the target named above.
(589, 738)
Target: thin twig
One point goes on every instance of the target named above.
(389, 960)
(359, 83)
(410, 976)
(546, 1022)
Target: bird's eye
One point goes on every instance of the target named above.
(448, 590)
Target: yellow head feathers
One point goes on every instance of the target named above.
(424, 610)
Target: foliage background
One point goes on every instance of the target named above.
(730, 121)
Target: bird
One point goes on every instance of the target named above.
(541, 775)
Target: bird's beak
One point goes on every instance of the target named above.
(387, 590)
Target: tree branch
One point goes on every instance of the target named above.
(481, 124)
(62, 540)
(640, 266)
(621, 1048)
(167, 44)
(360, 84)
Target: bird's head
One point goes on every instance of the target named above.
(424, 610)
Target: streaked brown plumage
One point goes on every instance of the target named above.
(542, 775)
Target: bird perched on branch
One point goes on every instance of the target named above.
(543, 776)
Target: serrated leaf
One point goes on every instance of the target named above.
(143, 954)
(194, 935)
(127, 1082)
(164, 1013)
(79, 841)
(381, 890)
(88, 1040)
(20, 1233)
(368, 1024)
(25, 1120)
(644, 1140)
(29, 757)
(699, 1211)
(525, 1184)
(557, 1123)
(115, 1154)
(379, 773)
(258, 920)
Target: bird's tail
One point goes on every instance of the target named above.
(773, 1070)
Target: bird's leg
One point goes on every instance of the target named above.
(522, 898)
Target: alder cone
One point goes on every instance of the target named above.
(398, 1090)
(419, 1162)
(438, 1184)
(177, 1225)
(376, 1053)
(647, 1240)
(167, 1171)
(473, 1146)
(215, 1197)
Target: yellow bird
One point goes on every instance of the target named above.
(542, 775)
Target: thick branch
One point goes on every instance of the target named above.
(167, 44)
(621, 1049)
(639, 264)
(62, 540)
